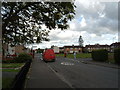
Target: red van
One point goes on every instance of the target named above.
(49, 55)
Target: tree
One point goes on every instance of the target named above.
(22, 21)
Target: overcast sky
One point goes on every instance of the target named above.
(96, 22)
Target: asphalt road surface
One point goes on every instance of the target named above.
(76, 74)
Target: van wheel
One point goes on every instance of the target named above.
(53, 60)
(45, 61)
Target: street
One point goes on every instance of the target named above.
(73, 74)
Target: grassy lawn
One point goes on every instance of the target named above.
(10, 70)
(80, 55)
(60, 55)
(12, 65)
(6, 82)
(88, 55)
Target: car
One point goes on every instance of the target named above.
(49, 55)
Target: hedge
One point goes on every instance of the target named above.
(23, 57)
(100, 55)
(117, 55)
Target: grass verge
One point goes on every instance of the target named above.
(6, 82)
(10, 70)
(80, 55)
(88, 55)
(12, 65)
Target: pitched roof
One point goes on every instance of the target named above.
(115, 44)
(96, 46)
(72, 46)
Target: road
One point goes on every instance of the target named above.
(80, 75)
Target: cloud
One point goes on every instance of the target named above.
(96, 22)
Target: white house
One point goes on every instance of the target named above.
(11, 50)
(56, 49)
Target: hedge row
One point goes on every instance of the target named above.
(100, 55)
(21, 58)
(117, 55)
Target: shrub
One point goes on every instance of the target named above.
(100, 55)
(117, 55)
(23, 57)
(8, 61)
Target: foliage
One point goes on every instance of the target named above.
(23, 57)
(117, 55)
(9, 61)
(40, 50)
(22, 22)
(100, 55)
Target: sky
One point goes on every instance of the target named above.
(96, 22)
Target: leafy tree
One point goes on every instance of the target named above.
(22, 21)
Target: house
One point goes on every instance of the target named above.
(114, 45)
(5, 49)
(12, 50)
(61, 49)
(90, 48)
(55, 48)
(19, 49)
(72, 49)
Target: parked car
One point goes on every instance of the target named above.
(49, 55)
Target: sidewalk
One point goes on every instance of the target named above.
(99, 63)
(41, 76)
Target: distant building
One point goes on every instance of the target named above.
(10, 50)
(90, 48)
(114, 45)
(61, 49)
(20, 49)
(5, 49)
(72, 49)
(55, 48)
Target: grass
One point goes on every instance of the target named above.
(10, 70)
(80, 55)
(60, 55)
(88, 55)
(12, 65)
(6, 82)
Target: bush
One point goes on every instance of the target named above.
(23, 57)
(8, 61)
(117, 55)
(100, 55)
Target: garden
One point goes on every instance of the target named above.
(11, 68)
(98, 55)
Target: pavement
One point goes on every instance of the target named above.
(41, 76)
(84, 75)
(90, 61)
